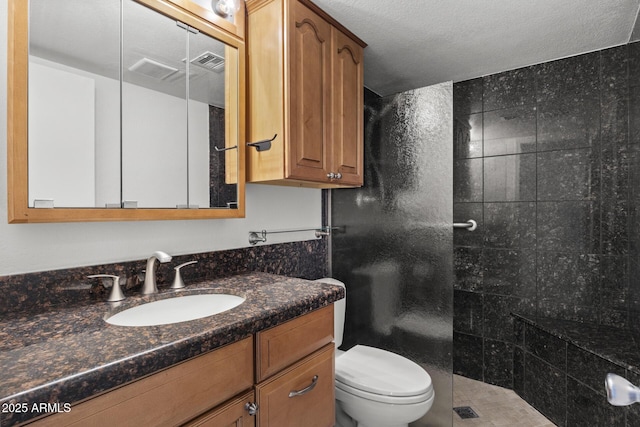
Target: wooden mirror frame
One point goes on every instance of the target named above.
(18, 208)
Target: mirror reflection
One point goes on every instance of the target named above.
(127, 112)
(74, 103)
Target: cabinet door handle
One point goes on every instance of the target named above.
(334, 175)
(251, 408)
(305, 390)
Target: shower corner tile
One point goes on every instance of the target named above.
(467, 97)
(466, 351)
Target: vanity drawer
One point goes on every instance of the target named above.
(285, 344)
(302, 395)
(169, 397)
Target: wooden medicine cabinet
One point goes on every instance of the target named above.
(125, 110)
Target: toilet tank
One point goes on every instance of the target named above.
(339, 310)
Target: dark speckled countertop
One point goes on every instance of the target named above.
(67, 355)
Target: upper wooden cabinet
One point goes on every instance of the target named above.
(305, 86)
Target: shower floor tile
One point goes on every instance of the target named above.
(495, 406)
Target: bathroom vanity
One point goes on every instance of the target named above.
(267, 362)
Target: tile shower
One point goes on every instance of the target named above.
(546, 161)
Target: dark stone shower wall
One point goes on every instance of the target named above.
(544, 159)
(220, 193)
(634, 186)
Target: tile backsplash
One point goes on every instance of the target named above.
(33, 292)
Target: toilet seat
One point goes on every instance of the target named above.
(382, 376)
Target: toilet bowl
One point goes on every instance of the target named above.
(375, 387)
(378, 388)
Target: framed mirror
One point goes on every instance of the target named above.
(122, 110)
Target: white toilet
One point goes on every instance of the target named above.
(374, 387)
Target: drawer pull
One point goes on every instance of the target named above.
(305, 390)
(251, 408)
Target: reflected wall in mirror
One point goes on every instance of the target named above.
(74, 102)
(129, 105)
(173, 77)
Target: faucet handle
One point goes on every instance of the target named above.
(116, 293)
(178, 283)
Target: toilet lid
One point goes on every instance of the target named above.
(381, 372)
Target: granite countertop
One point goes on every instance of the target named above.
(66, 355)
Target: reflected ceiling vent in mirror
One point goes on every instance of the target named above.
(151, 68)
(179, 77)
(210, 61)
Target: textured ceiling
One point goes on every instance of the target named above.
(415, 43)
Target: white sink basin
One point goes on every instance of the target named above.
(175, 310)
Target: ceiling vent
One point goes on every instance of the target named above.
(154, 69)
(210, 61)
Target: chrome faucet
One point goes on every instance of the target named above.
(150, 286)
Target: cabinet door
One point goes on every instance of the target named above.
(302, 395)
(231, 414)
(169, 397)
(309, 95)
(347, 97)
